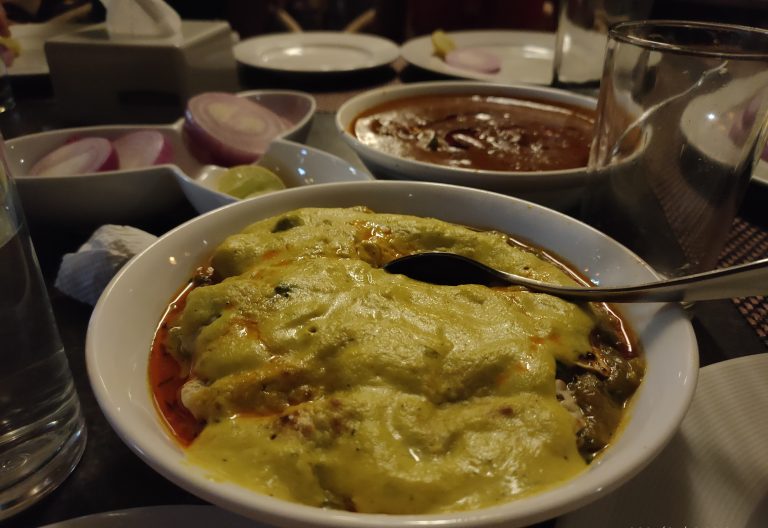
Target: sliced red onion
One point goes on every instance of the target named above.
(475, 59)
(229, 130)
(748, 118)
(750, 111)
(741, 127)
(143, 148)
(92, 154)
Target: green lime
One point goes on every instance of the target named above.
(245, 181)
(442, 43)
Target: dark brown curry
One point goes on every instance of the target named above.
(480, 132)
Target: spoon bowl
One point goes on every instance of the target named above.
(451, 269)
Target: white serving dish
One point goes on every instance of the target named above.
(125, 319)
(125, 195)
(557, 188)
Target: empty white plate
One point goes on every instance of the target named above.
(316, 52)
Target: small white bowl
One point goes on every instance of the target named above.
(554, 188)
(125, 195)
(294, 163)
(124, 321)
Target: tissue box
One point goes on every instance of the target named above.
(98, 79)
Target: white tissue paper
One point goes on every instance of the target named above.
(84, 275)
(141, 18)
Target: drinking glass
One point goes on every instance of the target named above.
(42, 432)
(7, 101)
(582, 32)
(681, 124)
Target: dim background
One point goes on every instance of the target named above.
(398, 20)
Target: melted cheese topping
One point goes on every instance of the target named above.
(327, 381)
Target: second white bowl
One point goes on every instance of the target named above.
(559, 189)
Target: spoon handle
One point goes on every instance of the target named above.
(743, 280)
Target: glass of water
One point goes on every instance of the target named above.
(7, 102)
(682, 121)
(582, 32)
(42, 432)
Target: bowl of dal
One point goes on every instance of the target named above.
(318, 390)
(528, 141)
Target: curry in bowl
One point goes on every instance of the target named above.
(490, 132)
(293, 365)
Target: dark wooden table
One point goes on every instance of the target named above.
(110, 477)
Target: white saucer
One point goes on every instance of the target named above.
(316, 52)
(714, 472)
(526, 56)
(188, 516)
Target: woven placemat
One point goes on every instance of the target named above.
(748, 242)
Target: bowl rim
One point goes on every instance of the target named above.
(525, 510)
(351, 108)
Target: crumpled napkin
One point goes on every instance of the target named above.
(84, 275)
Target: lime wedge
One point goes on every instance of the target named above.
(442, 43)
(245, 181)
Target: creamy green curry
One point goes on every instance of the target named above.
(317, 377)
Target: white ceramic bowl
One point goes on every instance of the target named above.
(125, 195)
(125, 318)
(555, 188)
(294, 163)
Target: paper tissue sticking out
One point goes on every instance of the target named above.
(85, 274)
(141, 18)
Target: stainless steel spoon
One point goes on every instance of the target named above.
(450, 269)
